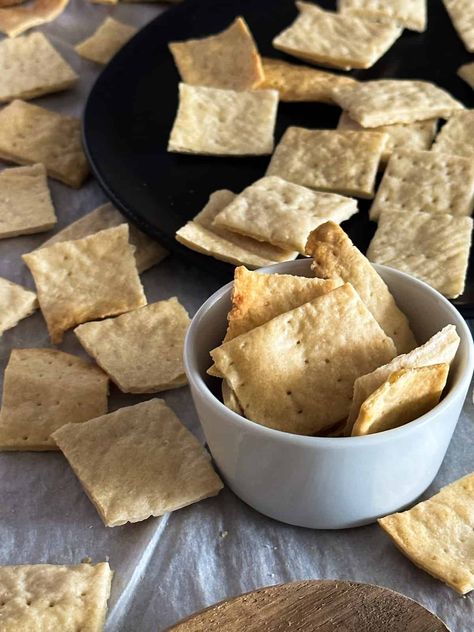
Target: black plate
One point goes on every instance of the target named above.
(131, 109)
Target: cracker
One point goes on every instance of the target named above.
(333, 39)
(389, 101)
(432, 248)
(466, 72)
(439, 349)
(121, 346)
(54, 597)
(296, 372)
(43, 390)
(202, 235)
(14, 21)
(30, 134)
(25, 202)
(405, 396)
(282, 213)
(148, 252)
(461, 13)
(218, 122)
(16, 303)
(138, 462)
(437, 534)
(106, 41)
(230, 398)
(427, 181)
(456, 136)
(227, 60)
(336, 257)
(417, 135)
(300, 83)
(329, 160)
(409, 13)
(86, 279)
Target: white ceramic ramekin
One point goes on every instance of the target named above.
(329, 483)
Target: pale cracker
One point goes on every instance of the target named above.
(152, 463)
(227, 60)
(427, 181)
(296, 372)
(456, 136)
(300, 83)
(30, 66)
(461, 13)
(417, 135)
(432, 248)
(389, 101)
(31, 134)
(25, 201)
(259, 297)
(148, 251)
(230, 398)
(466, 72)
(405, 396)
(86, 279)
(411, 14)
(336, 257)
(43, 390)
(202, 235)
(440, 348)
(106, 41)
(16, 303)
(54, 597)
(14, 21)
(121, 346)
(329, 160)
(282, 213)
(333, 39)
(212, 121)
(437, 534)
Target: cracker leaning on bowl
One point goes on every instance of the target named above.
(409, 13)
(16, 303)
(106, 41)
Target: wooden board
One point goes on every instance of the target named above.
(315, 606)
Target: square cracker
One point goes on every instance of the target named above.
(437, 534)
(31, 134)
(439, 349)
(16, 20)
(138, 462)
(466, 72)
(295, 373)
(16, 303)
(30, 66)
(456, 136)
(461, 13)
(406, 395)
(389, 101)
(148, 251)
(86, 279)
(428, 181)
(432, 248)
(329, 160)
(106, 41)
(121, 346)
(417, 135)
(300, 83)
(333, 39)
(282, 213)
(409, 13)
(218, 122)
(25, 201)
(43, 390)
(336, 257)
(54, 597)
(227, 60)
(202, 235)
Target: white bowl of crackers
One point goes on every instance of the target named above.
(340, 384)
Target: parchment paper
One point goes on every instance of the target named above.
(170, 567)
